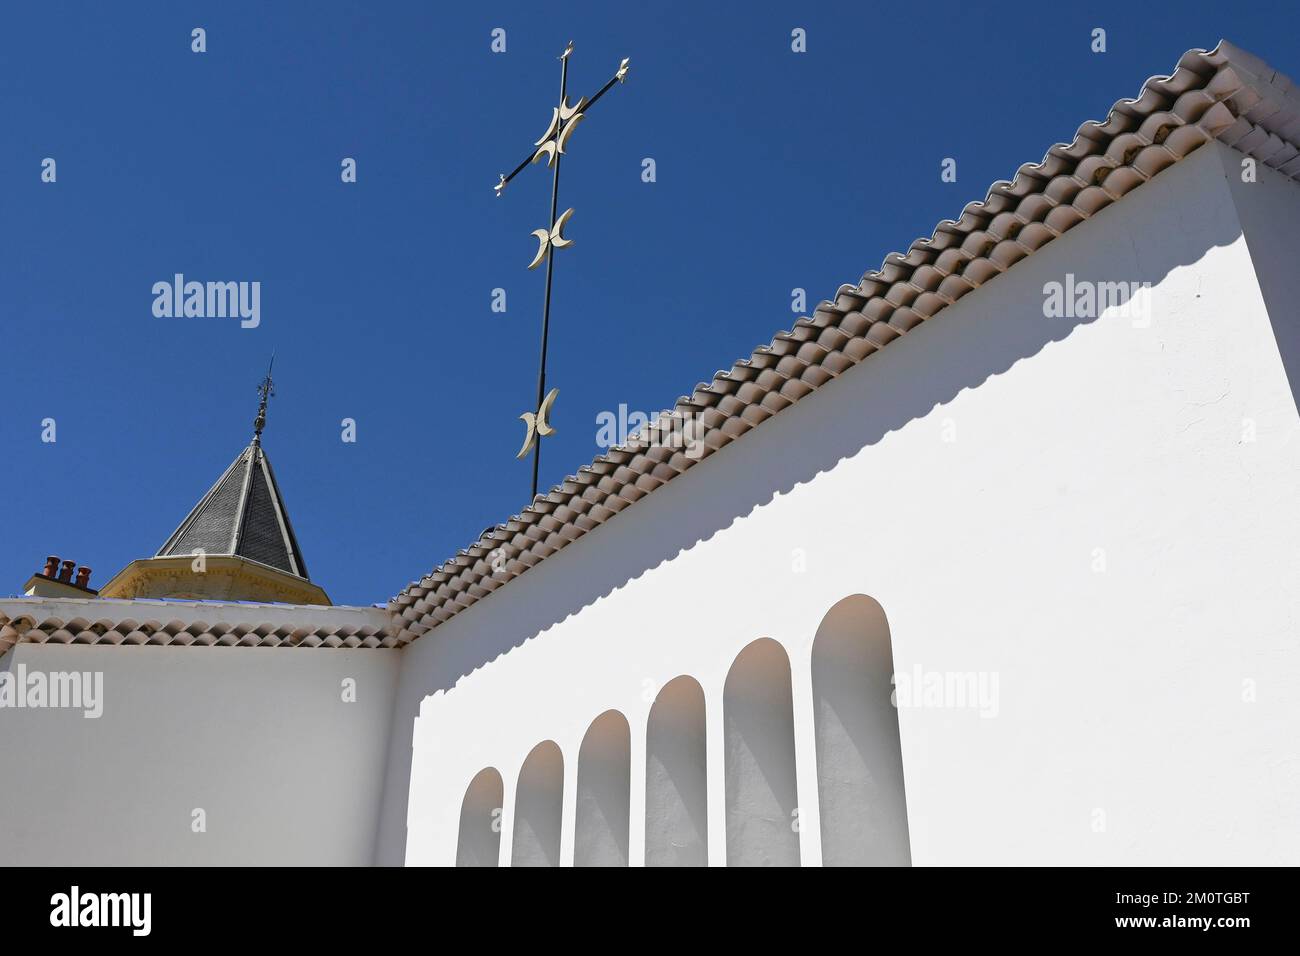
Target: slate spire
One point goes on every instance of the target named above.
(243, 513)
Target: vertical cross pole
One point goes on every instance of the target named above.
(550, 267)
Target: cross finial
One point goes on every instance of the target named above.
(266, 389)
(554, 144)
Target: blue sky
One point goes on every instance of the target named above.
(774, 170)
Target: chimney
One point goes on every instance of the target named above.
(57, 581)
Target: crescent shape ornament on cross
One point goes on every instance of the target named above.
(538, 424)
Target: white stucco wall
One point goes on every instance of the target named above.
(260, 739)
(1121, 732)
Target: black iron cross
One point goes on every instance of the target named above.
(552, 145)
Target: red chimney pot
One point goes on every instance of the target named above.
(51, 566)
(83, 577)
(66, 574)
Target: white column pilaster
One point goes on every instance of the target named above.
(805, 758)
(716, 761)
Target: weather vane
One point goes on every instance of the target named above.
(266, 388)
(552, 145)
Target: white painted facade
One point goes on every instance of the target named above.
(263, 741)
(1098, 514)
(1099, 533)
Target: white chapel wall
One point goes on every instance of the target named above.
(259, 739)
(1067, 505)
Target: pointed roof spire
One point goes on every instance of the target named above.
(243, 514)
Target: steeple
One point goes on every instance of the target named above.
(242, 515)
(241, 530)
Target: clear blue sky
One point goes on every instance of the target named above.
(774, 171)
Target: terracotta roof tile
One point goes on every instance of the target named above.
(181, 623)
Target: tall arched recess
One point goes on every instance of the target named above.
(859, 753)
(538, 807)
(758, 714)
(676, 774)
(479, 843)
(600, 835)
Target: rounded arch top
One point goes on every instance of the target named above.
(764, 656)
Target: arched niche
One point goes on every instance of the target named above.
(600, 836)
(538, 807)
(758, 716)
(479, 841)
(676, 778)
(859, 753)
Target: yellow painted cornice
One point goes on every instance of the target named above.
(223, 578)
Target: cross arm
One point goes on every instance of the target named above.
(618, 77)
